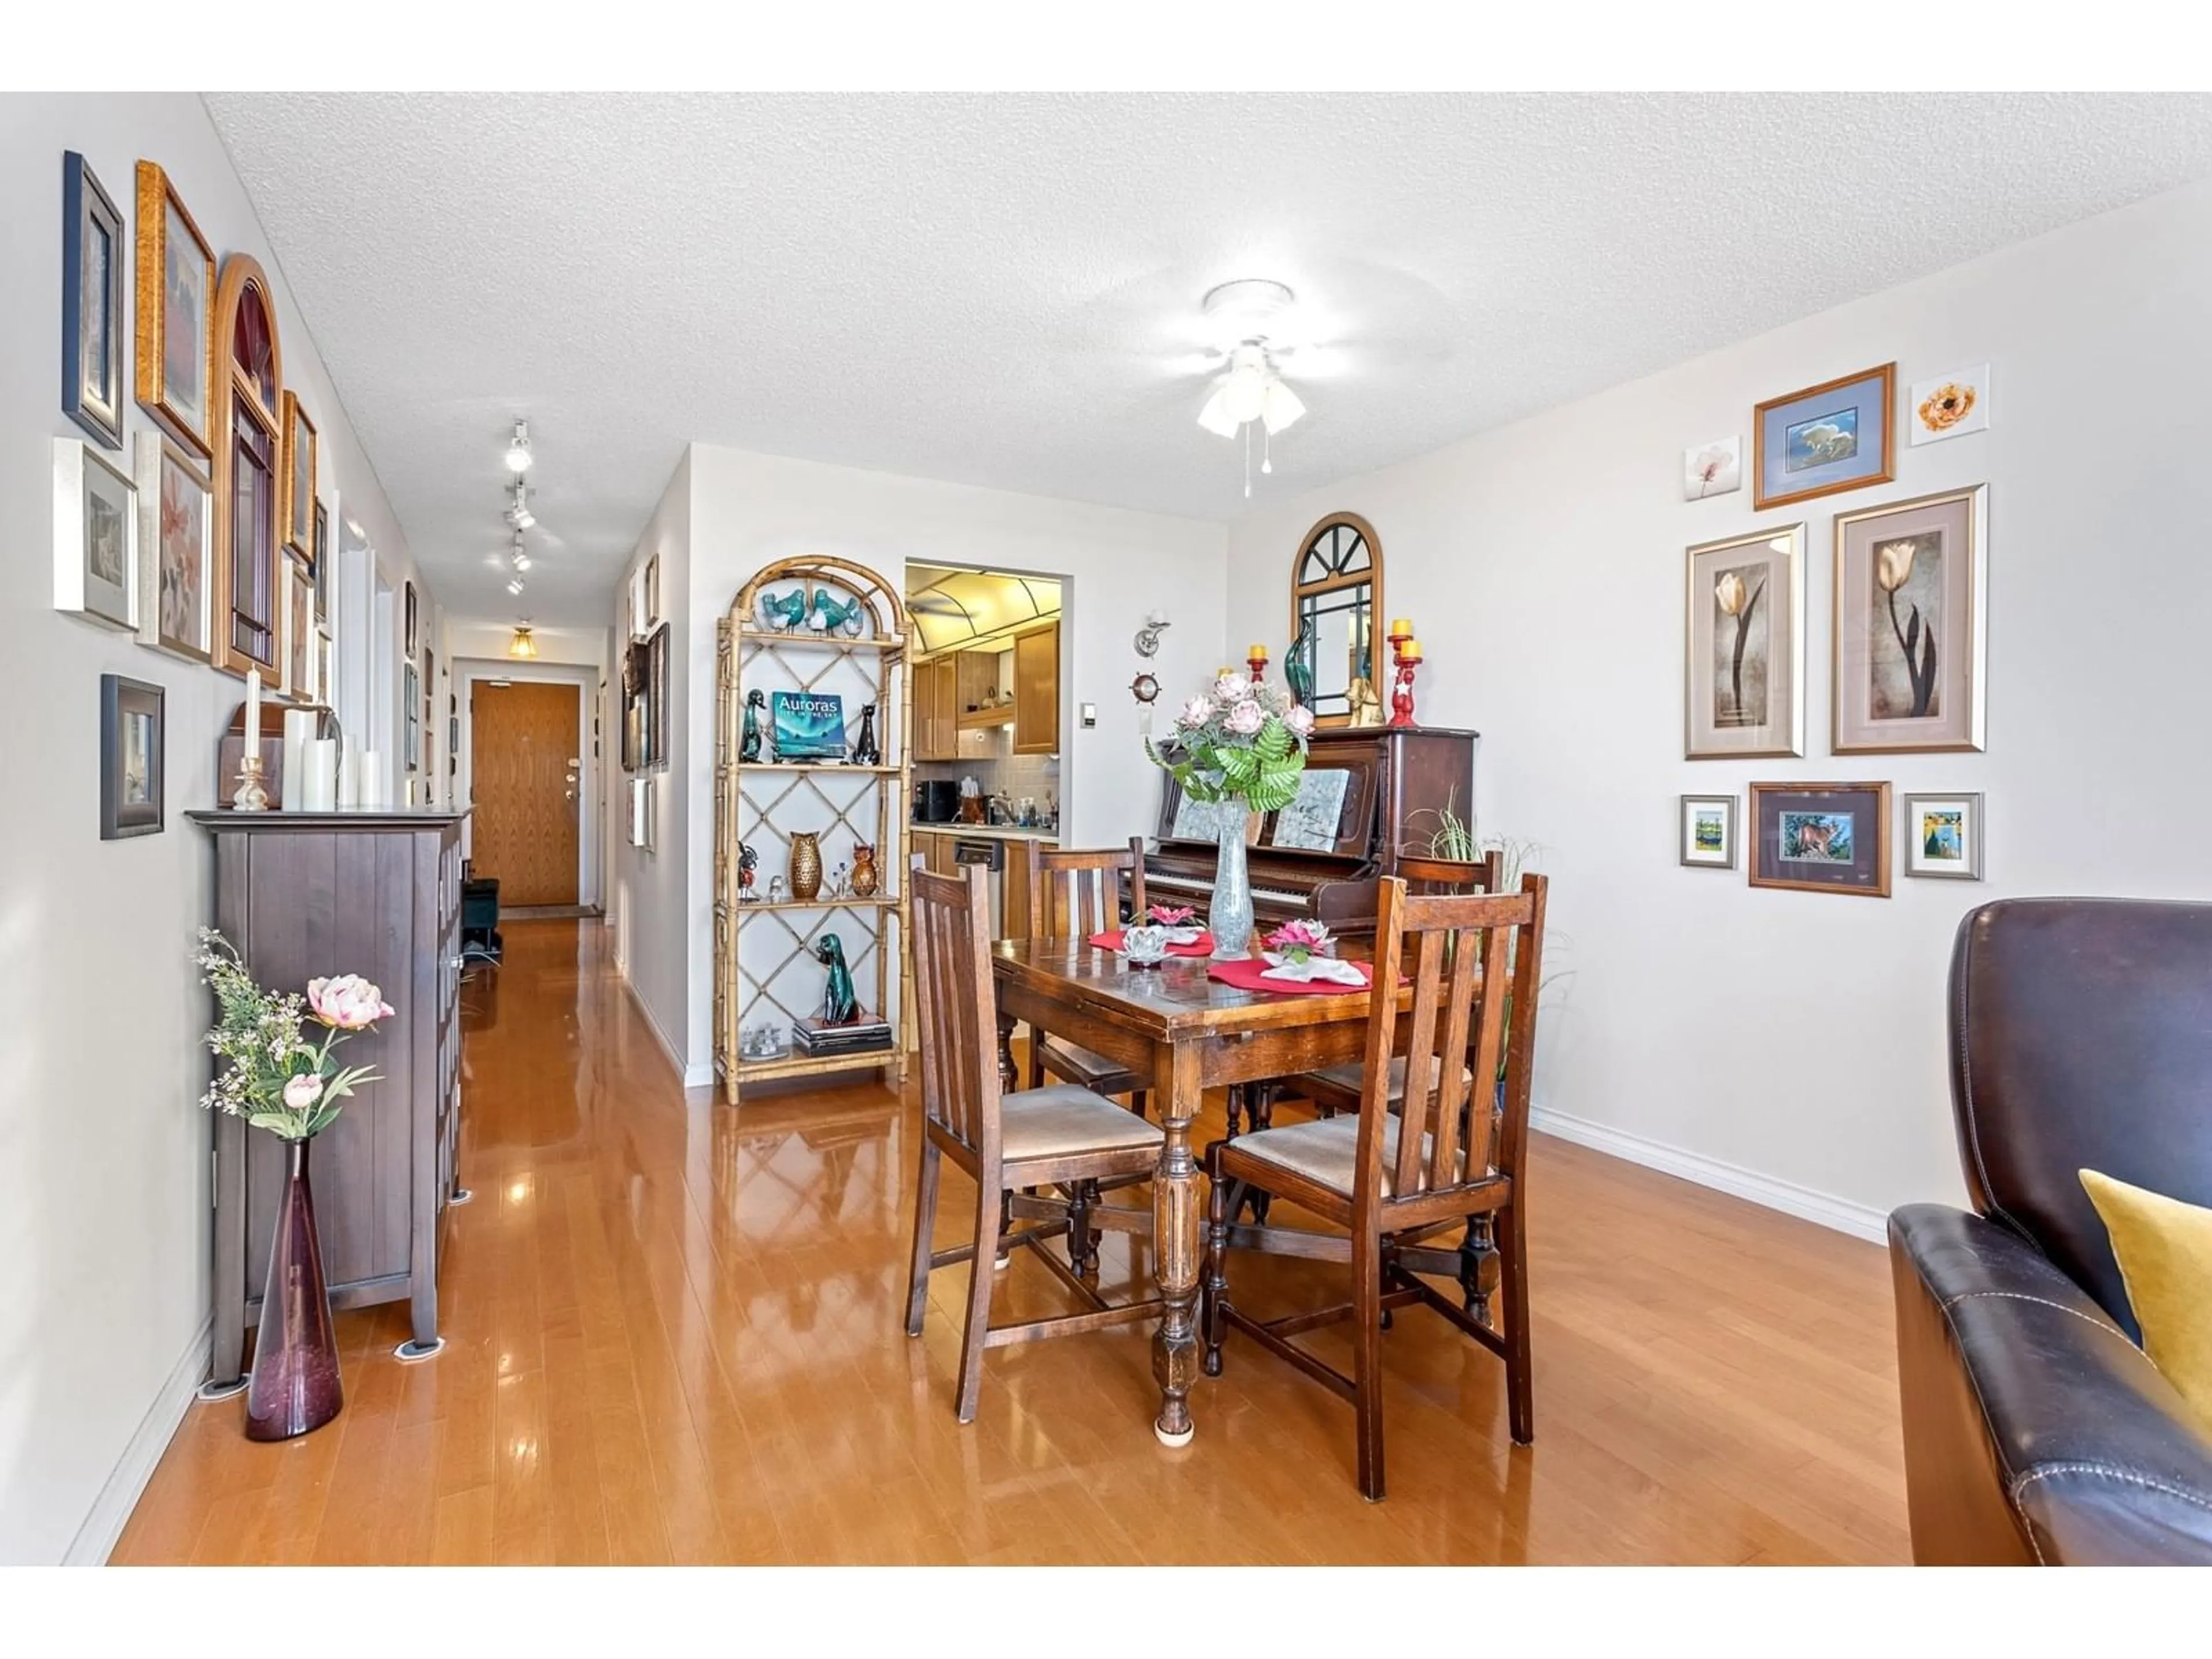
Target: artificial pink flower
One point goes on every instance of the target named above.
(350, 1003)
(303, 1091)
(1300, 719)
(1172, 915)
(1196, 713)
(1232, 687)
(1246, 718)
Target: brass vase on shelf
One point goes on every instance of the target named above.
(805, 866)
(863, 870)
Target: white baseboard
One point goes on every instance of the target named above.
(1824, 1208)
(693, 1077)
(111, 1508)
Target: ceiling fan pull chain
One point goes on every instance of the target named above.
(1267, 451)
(1247, 460)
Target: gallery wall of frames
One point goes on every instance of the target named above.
(1907, 652)
(205, 537)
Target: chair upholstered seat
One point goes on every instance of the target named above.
(1347, 1077)
(1063, 1120)
(1324, 1152)
(1086, 1065)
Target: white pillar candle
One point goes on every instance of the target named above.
(253, 711)
(372, 779)
(299, 731)
(349, 775)
(318, 790)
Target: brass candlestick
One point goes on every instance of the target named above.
(251, 796)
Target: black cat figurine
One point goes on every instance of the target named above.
(866, 749)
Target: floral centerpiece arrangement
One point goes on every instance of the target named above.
(1171, 915)
(1239, 745)
(278, 1077)
(1300, 942)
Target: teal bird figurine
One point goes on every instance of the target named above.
(839, 1004)
(830, 616)
(786, 611)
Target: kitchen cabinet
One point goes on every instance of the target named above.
(936, 709)
(1036, 691)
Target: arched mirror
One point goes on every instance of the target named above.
(1336, 593)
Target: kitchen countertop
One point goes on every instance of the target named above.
(990, 831)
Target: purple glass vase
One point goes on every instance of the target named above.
(294, 1386)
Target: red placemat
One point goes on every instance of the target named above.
(1246, 976)
(1201, 946)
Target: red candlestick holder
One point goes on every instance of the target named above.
(1406, 653)
(1257, 663)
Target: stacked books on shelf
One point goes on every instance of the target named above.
(865, 1031)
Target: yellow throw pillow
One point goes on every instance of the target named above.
(2165, 1251)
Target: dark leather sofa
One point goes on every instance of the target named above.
(2035, 1430)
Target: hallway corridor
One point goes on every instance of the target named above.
(674, 1335)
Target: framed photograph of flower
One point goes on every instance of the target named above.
(96, 537)
(1744, 648)
(298, 516)
(175, 314)
(1835, 435)
(1910, 656)
(1709, 831)
(1821, 837)
(93, 350)
(133, 738)
(1944, 836)
(1950, 405)
(176, 547)
(1713, 469)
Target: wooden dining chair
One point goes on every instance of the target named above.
(1035, 1139)
(1074, 893)
(1397, 1180)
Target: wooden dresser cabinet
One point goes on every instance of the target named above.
(308, 894)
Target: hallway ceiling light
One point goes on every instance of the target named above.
(518, 452)
(519, 514)
(522, 646)
(515, 586)
(515, 555)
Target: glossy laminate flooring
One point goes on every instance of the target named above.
(675, 1336)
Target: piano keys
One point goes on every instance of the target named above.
(1370, 795)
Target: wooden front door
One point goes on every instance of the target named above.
(528, 788)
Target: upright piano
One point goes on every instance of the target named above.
(1369, 794)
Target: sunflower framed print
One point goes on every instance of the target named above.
(176, 314)
(298, 516)
(1745, 647)
(93, 350)
(1837, 435)
(1910, 657)
(1821, 837)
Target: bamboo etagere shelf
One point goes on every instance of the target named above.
(766, 798)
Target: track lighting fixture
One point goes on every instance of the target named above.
(519, 514)
(518, 452)
(515, 585)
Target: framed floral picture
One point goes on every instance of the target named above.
(175, 314)
(96, 537)
(1944, 836)
(1821, 837)
(176, 549)
(1835, 435)
(1709, 831)
(1713, 469)
(1744, 648)
(1950, 405)
(1910, 657)
(298, 514)
(94, 349)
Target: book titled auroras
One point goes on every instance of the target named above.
(809, 725)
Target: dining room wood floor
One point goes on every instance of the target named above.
(675, 1335)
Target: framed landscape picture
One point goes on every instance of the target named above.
(1837, 435)
(1709, 831)
(94, 346)
(1821, 837)
(1910, 659)
(133, 730)
(1944, 836)
(175, 314)
(176, 549)
(1744, 648)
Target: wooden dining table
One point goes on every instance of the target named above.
(1187, 1034)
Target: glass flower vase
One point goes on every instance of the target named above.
(1229, 917)
(294, 1386)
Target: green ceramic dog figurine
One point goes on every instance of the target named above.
(839, 1006)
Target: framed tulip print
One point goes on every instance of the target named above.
(1745, 647)
(1835, 435)
(1910, 657)
(1944, 836)
(93, 350)
(1821, 837)
(176, 314)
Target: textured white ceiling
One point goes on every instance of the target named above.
(1004, 289)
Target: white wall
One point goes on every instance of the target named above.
(1801, 1037)
(104, 1243)
(649, 902)
(747, 510)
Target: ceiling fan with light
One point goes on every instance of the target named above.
(1247, 317)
